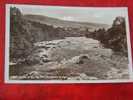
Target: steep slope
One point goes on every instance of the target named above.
(20, 38)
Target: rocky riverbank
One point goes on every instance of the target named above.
(72, 58)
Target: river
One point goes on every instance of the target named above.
(73, 58)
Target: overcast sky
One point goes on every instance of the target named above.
(85, 14)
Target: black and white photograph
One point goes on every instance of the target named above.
(62, 44)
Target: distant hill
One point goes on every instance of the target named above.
(62, 23)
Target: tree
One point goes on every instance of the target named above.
(20, 42)
(114, 37)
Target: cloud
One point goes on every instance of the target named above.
(97, 16)
(68, 18)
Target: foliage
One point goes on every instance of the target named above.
(114, 37)
(20, 43)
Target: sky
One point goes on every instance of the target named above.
(104, 15)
